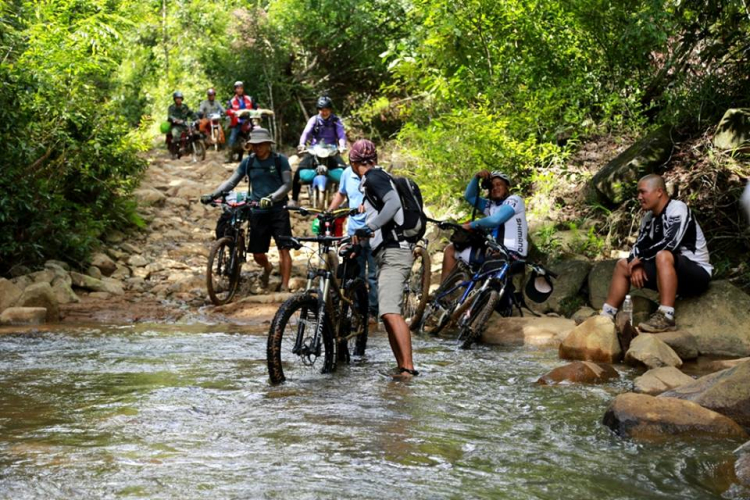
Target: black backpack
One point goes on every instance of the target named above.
(415, 220)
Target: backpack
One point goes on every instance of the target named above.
(415, 220)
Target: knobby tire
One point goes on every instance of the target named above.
(354, 320)
(481, 309)
(415, 298)
(223, 271)
(438, 315)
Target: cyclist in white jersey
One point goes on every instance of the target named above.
(505, 218)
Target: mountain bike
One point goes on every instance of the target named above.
(327, 323)
(229, 251)
(417, 287)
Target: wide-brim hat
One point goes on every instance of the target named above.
(260, 136)
(539, 287)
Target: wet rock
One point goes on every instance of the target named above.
(733, 131)
(593, 340)
(642, 416)
(723, 364)
(616, 181)
(718, 319)
(41, 295)
(683, 343)
(599, 279)
(742, 465)
(726, 392)
(137, 261)
(583, 314)
(94, 272)
(108, 285)
(9, 293)
(57, 263)
(149, 197)
(647, 350)
(658, 380)
(64, 292)
(583, 372)
(23, 316)
(544, 331)
(106, 265)
(572, 275)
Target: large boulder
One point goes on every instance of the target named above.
(733, 131)
(719, 319)
(23, 316)
(564, 300)
(105, 264)
(542, 331)
(599, 278)
(683, 343)
(41, 295)
(647, 350)
(726, 392)
(658, 380)
(583, 372)
(593, 340)
(9, 293)
(64, 292)
(742, 465)
(642, 416)
(616, 182)
(108, 285)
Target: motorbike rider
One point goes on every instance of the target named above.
(325, 127)
(270, 180)
(207, 108)
(237, 103)
(505, 219)
(178, 114)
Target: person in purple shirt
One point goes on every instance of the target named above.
(325, 127)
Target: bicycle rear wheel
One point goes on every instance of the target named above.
(293, 351)
(438, 312)
(474, 321)
(416, 289)
(223, 271)
(354, 325)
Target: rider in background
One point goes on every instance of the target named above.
(325, 127)
(505, 218)
(207, 108)
(178, 114)
(239, 102)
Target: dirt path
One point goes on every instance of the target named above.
(162, 267)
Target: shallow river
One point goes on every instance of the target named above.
(186, 412)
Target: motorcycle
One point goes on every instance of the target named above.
(255, 119)
(321, 180)
(189, 143)
(215, 132)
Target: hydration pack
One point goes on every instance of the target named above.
(415, 220)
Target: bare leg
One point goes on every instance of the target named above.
(262, 260)
(620, 284)
(285, 262)
(449, 261)
(400, 338)
(666, 278)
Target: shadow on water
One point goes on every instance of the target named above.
(147, 411)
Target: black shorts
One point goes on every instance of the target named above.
(263, 225)
(692, 279)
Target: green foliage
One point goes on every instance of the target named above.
(547, 241)
(587, 243)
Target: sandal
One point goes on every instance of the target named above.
(413, 373)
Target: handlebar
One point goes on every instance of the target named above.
(296, 241)
(324, 214)
(222, 200)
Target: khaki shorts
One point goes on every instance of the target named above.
(394, 266)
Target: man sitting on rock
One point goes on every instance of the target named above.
(670, 256)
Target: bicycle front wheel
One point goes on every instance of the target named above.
(354, 325)
(474, 321)
(299, 346)
(416, 289)
(223, 271)
(438, 313)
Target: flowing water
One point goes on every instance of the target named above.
(186, 412)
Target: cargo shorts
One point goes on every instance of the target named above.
(394, 267)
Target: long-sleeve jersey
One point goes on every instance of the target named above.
(330, 131)
(674, 229)
(506, 219)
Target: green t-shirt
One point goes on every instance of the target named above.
(264, 177)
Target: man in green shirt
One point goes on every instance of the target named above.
(270, 178)
(178, 115)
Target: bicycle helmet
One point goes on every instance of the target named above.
(498, 174)
(177, 94)
(238, 83)
(363, 151)
(211, 91)
(324, 102)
